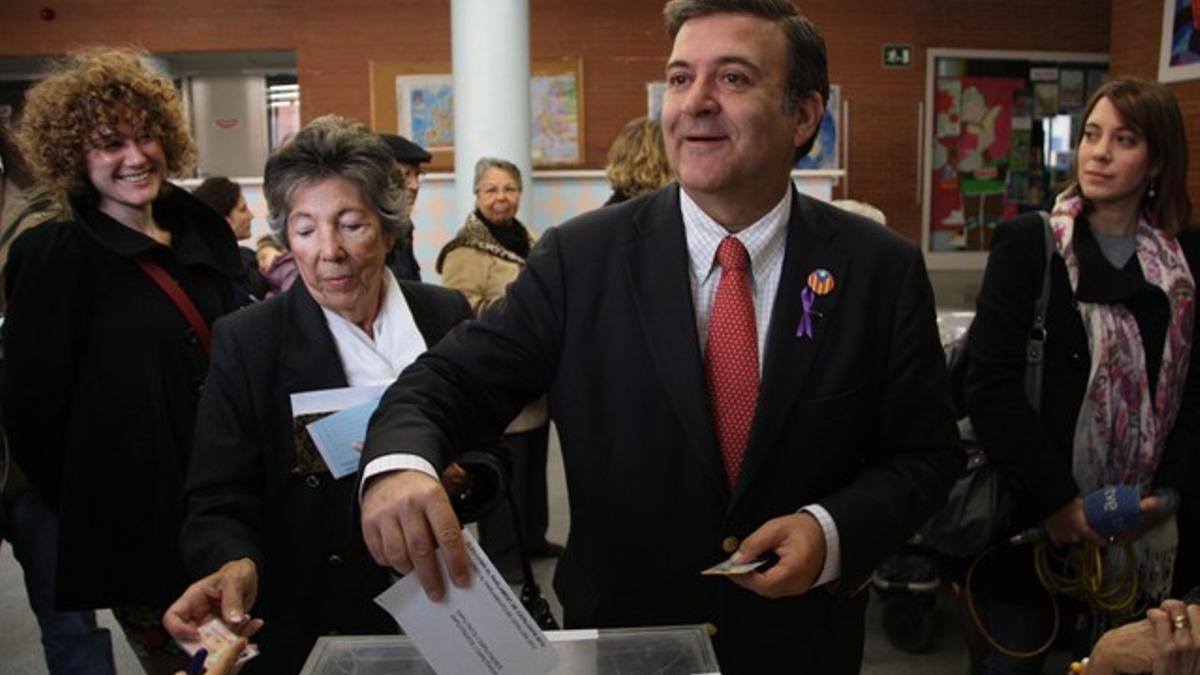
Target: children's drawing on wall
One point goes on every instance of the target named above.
(949, 98)
(970, 168)
(425, 110)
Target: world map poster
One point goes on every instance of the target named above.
(425, 114)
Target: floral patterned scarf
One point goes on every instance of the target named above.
(1122, 428)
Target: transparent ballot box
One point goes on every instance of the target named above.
(683, 650)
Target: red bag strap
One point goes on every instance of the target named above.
(178, 296)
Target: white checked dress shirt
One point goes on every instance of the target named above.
(766, 241)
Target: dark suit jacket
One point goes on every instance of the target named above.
(858, 419)
(249, 495)
(401, 259)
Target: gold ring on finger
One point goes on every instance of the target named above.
(1180, 622)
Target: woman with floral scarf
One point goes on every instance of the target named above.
(1119, 403)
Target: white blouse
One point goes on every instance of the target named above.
(398, 342)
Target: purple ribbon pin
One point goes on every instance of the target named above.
(807, 297)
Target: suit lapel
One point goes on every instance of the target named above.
(789, 357)
(657, 265)
(308, 357)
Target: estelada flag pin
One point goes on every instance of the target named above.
(821, 281)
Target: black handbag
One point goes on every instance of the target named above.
(980, 507)
(489, 490)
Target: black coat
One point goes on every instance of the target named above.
(1033, 451)
(857, 419)
(247, 495)
(102, 378)
(401, 259)
(249, 285)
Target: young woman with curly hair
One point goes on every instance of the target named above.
(104, 361)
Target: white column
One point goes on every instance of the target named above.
(490, 52)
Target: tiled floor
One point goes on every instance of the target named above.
(20, 651)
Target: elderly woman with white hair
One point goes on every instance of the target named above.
(482, 259)
(268, 525)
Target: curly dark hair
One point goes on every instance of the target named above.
(93, 88)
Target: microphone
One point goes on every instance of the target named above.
(1111, 510)
(1030, 536)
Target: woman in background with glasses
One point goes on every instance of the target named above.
(482, 259)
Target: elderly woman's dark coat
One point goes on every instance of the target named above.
(102, 376)
(250, 494)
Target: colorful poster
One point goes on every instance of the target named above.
(1018, 154)
(824, 153)
(554, 134)
(1181, 37)
(1045, 99)
(1071, 88)
(425, 114)
(947, 104)
(970, 170)
(425, 110)
(1022, 110)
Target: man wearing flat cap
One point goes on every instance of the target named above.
(409, 158)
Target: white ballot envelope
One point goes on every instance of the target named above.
(480, 629)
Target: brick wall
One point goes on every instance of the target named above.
(883, 102)
(621, 41)
(1136, 31)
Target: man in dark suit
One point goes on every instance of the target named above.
(733, 368)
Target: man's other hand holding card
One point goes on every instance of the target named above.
(786, 555)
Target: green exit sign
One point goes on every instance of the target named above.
(897, 56)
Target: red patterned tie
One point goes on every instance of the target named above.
(731, 359)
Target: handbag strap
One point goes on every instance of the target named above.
(1035, 352)
(178, 296)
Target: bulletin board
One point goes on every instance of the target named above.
(415, 99)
